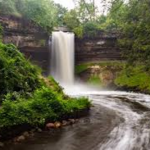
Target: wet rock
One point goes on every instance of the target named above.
(20, 138)
(72, 121)
(1, 144)
(76, 120)
(50, 125)
(26, 134)
(65, 123)
(39, 130)
(57, 124)
(31, 133)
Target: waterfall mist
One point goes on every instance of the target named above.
(62, 57)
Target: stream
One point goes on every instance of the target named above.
(117, 121)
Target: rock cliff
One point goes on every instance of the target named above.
(99, 48)
(28, 37)
(33, 42)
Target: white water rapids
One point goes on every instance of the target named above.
(134, 132)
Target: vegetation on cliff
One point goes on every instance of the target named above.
(134, 78)
(118, 75)
(44, 13)
(100, 74)
(26, 97)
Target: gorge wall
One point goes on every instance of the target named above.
(28, 37)
(102, 47)
(33, 42)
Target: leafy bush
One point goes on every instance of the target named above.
(135, 78)
(41, 12)
(29, 98)
(8, 7)
(94, 80)
(45, 104)
(16, 73)
(78, 31)
(90, 29)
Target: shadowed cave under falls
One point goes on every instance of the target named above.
(117, 121)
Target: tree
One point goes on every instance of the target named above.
(71, 19)
(86, 10)
(8, 7)
(61, 11)
(43, 12)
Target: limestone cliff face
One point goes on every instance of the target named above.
(28, 37)
(33, 42)
(99, 48)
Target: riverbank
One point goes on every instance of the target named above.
(28, 100)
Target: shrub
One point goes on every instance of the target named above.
(16, 73)
(28, 98)
(45, 104)
(134, 78)
(90, 29)
(78, 31)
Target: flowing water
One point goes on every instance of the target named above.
(117, 120)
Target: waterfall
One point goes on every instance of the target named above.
(62, 57)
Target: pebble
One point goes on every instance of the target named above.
(50, 125)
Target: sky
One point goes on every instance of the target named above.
(70, 4)
(66, 3)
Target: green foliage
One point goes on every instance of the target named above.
(136, 32)
(8, 7)
(94, 80)
(44, 105)
(135, 78)
(71, 20)
(82, 19)
(84, 66)
(29, 98)
(80, 68)
(61, 11)
(79, 31)
(43, 13)
(16, 73)
(132, 20)
(90, 29)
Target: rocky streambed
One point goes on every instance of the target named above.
(117, 121)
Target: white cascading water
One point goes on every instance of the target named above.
(62, 57)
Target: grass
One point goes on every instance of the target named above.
(134, 77)
(94, 80)
(82, 67)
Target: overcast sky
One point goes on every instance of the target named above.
(70, 4)
(66, 3)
